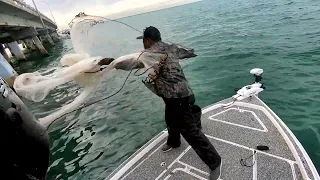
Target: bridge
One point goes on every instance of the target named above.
(20, 22)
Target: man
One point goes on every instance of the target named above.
(167, 80)
(25, 147)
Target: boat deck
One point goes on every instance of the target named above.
(235, 131)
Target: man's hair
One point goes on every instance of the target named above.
(152, 33)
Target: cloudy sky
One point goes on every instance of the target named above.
(65, 10)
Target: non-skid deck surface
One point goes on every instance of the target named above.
(235, 131)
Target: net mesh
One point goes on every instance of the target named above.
(92, 38)
(78, 67)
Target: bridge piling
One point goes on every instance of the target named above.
(40, 46)
(4, 53)
(49, 39)
(30, 44)
(15, 49)
(6, 71)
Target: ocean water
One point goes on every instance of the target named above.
(230, 37)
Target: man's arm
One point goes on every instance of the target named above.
(186, 53)
(128, 62)
(127, 65)
(105, 61)
(135, 61)
(182, 53)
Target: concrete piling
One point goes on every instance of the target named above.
(49, 39)
(30, 44)
(6, 71)
(23, 44)
(4, 53)
(15, 49)
(39, 45)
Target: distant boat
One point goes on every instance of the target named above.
(65, 34)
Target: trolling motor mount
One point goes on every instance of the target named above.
(253, 89)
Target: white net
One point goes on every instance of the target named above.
(92, 38)
(81, 67)
(98, 36)
(36, 86)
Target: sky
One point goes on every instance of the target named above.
(65, 10)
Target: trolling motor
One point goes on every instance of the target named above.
(253, 89)
(257, 72)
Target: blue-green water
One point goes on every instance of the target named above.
(230, 37)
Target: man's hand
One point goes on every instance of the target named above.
(128, 62)
(105, 61)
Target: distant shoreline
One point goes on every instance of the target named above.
(171, 7)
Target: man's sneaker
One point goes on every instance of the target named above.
(166, 148)
(215, 174)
